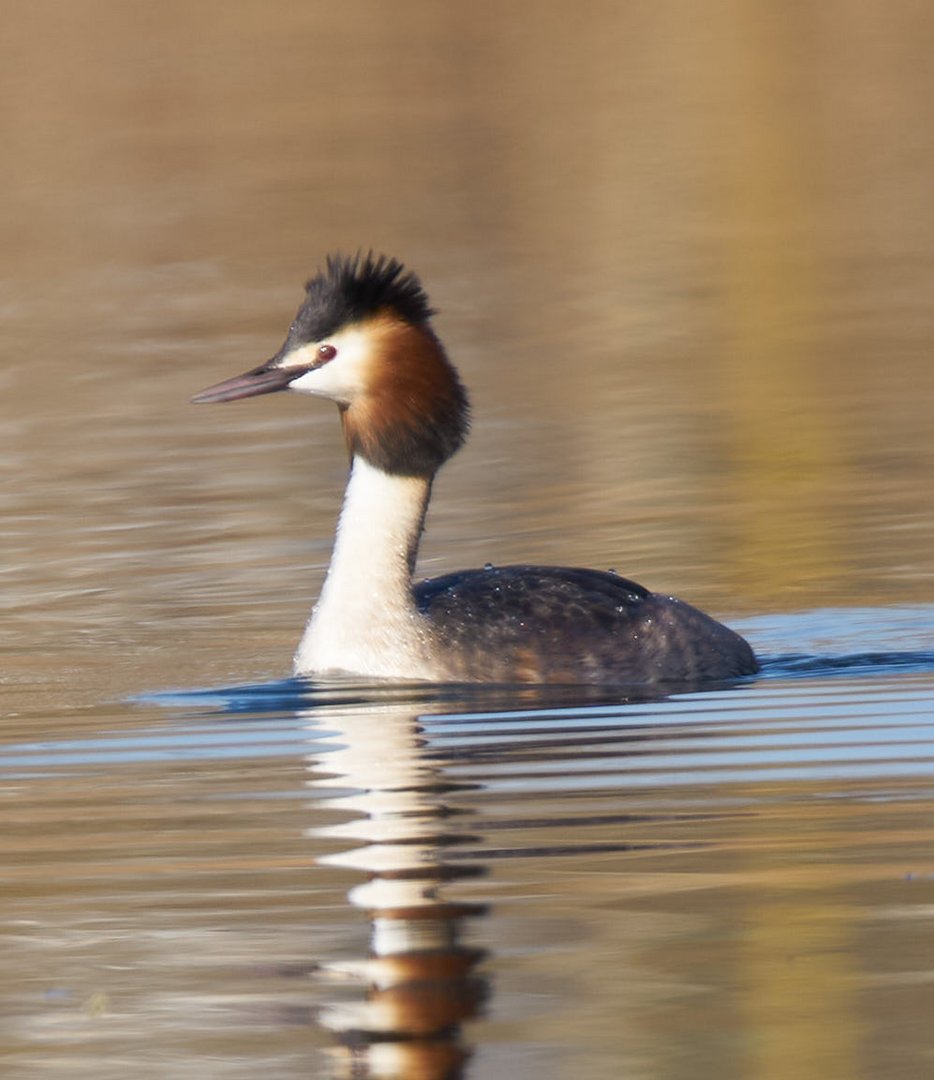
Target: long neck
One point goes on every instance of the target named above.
(365, 619)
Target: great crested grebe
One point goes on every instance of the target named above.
(363, 338)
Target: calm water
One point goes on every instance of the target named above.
(685, 266)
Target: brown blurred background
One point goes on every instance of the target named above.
(684, 256)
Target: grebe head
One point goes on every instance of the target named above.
(363, 338)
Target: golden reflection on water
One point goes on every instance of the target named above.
(789, 463)
(799, 974)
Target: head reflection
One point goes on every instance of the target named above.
(419, 978)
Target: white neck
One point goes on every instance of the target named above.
(365, 620)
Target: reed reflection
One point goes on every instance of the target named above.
(420, 978)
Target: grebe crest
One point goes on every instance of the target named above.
(363, 338)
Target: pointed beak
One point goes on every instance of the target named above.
(266, 379)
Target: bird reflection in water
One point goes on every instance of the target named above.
(420, 978)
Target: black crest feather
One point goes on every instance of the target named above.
(353, 287)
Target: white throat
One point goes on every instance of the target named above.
(365, 620)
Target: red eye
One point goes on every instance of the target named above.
(326, 352)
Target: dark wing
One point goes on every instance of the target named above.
(555, 624)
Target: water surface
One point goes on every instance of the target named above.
(683, 260)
